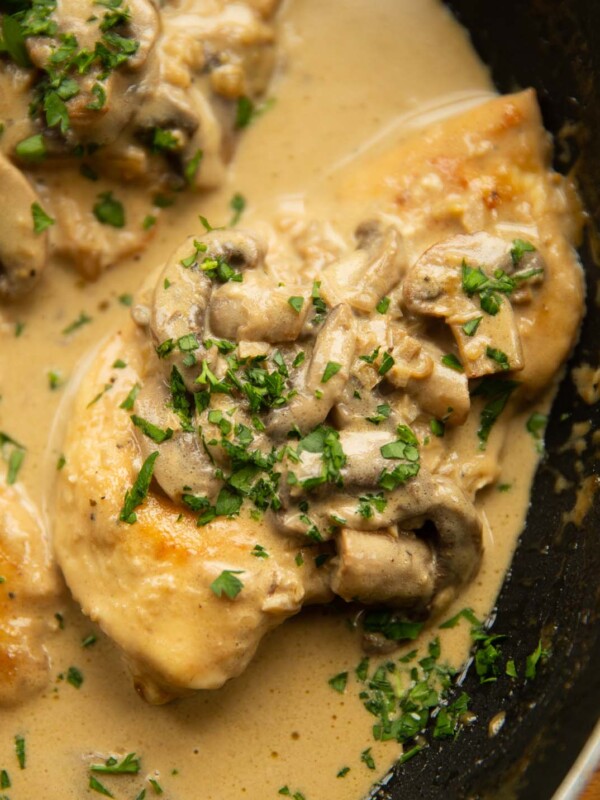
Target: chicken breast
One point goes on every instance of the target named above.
(148, 584)
(29, 583)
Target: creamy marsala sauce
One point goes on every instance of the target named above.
(356, 75)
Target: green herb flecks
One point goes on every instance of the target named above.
(490, 289)
(41, 220)
(228, 584)
(96, 786)
(129, 401)
(109, 211)
(383, 305)
(536, 426)
(496, 392)
(452, 361)
(75, 677)
(518, 250)
(499, 356)
(237, 204)
(135, 496)
(21, 751)
(406, 450)
(14, 454)
(128, 765)
(82, 319)
(296, 303)
(150, 430)
(339, 682)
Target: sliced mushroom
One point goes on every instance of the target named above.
(434, 287)
(183, 465)
(370, 272)
(182, 295)
(256, 309)
(319, 392)
(434, 504)
(23, 253)
(388, 567)
(105, 103)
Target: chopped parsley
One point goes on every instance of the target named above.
(13, 453)
(533, 659)
(319, 305)
(536, 425)
(190, 172)
(489, 289)
(405, 448)
(392, 627)
(150, 430)
(129, 765)
(228, 583)
(383, 413)
(237, 204)
(383, 305)
(21, 751)
(129, 401)
(81, 320)
(367, 758)
(387, 362)
(330, 370)
(75, 677)
(41, 220)
(109, 211)
(296, 303)
(89, 641)
(4, 779)
(126, 299)
(31, 149)
(518, 250)
(496, 392)
(499, 356)
(96, 786)
(244, 112)
(451, 361)
(369, 503)
(338, 682)
(135, 496)
(259, 551)
(470, 327)
(343, 772)
(437, 427)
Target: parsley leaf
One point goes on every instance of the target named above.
(41, 220)
(470, 327)
(331, 369)
(497, 393)
(150, 430)
(338, 682)
(227, 583)
(296, 303)
(109, 211)
(238, 205)
(451, 361)
(129, 765)
(518, 250)
(135, 496)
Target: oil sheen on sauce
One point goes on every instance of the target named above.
(353, 72)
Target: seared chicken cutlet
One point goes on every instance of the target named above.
(272, 445)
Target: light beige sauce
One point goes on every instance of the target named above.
(353, 68)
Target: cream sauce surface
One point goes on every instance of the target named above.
(352, 71)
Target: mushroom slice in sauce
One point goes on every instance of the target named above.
(451, 281)
(28, 588)
(23, 253)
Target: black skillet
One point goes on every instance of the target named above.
(554, 583)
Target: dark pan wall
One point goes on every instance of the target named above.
(555, 580)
